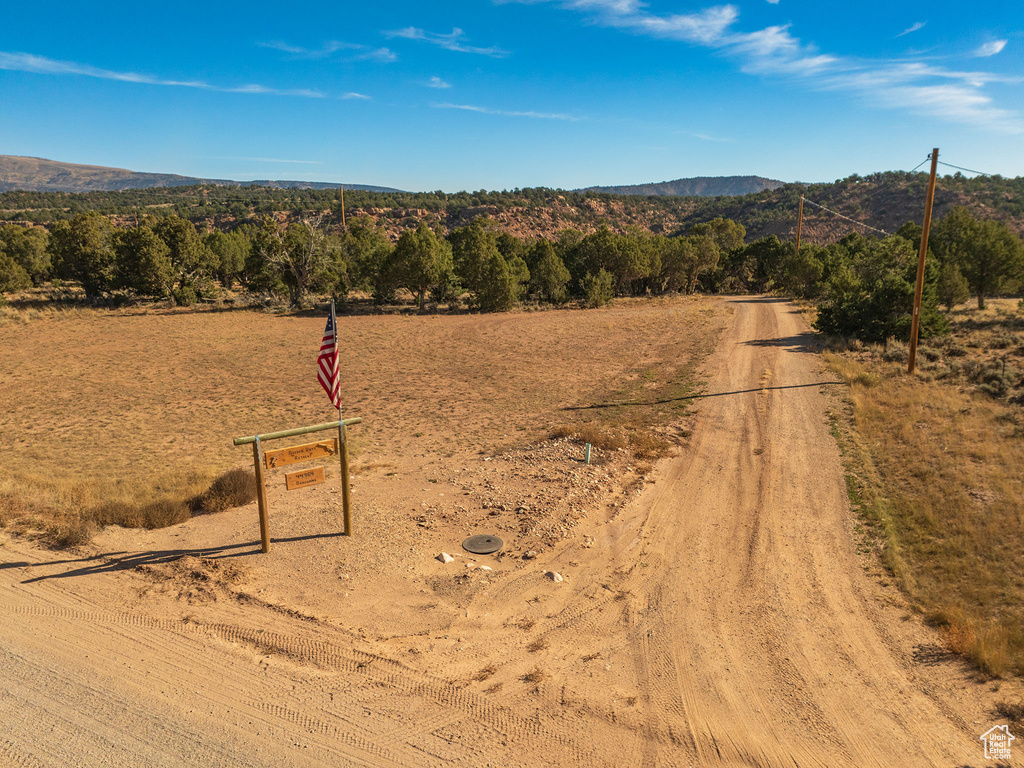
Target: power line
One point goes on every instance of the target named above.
(854, 221)
(922, 162)
(980, 173)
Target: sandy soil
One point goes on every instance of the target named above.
(716, 612)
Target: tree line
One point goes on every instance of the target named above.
(487, 269)
(863, 284)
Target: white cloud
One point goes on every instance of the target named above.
(770, 41)
(912, 28)
(899, 74)
(451, 42)
(775, 50)
(359, 52)
(708, 137)
(706, 27)
(934, 91)
(41, 65)
(991, 48)
(621, 7)
(506, 113)
(953, 102)
(437, 82)
(772, 49)
(354, 95)
(325, 50)
(381, 55)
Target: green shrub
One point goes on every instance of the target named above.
(597, 289)
(499, 286)
(184, 296)
(870, 292)
(13, 276)
(895, 351)
(952, 288)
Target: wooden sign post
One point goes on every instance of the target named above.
(303, 478)
(261, 494)
(346, 503)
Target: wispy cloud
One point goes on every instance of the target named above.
(329, 47)
(455, 41)
(383, 55)
(708, 137)
(957, 96)
(705, 27)
(507, 113)
(41, 65)
(991, 48)
(772, 49)
(358, 51)
(354, 95)
(437, 82)
(912, 28)
(953, 102)
(775, 50)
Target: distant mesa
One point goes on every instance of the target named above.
(36, 174)
(699, 186)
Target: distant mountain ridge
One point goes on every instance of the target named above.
(699, 186)
(36, 174)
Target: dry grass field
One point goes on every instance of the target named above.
(937, 463)
(123, 415)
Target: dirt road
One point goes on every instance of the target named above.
(721, 617)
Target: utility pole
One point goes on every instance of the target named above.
(919, 287)
(341, 190)
(799, 224)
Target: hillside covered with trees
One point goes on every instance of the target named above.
(699, 186)
(884, 201)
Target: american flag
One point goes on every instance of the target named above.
(329, 373)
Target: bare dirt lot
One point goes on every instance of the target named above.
(713, 612)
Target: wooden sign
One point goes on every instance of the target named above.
(297, 453)
(304, 478)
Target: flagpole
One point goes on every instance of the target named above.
(346, 507)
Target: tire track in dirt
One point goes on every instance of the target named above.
(373, 753)
(12, 757)
(390, 676)
(34, 699)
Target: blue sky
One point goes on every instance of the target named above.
(496, 94)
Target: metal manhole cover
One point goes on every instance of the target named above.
(482, 545)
